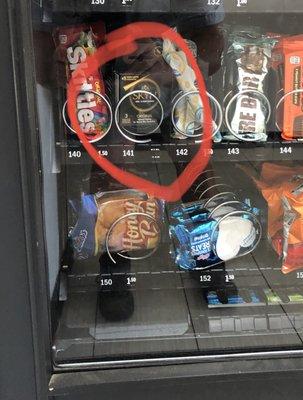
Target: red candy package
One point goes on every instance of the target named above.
(73, 45)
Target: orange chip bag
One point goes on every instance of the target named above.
(293, 230)
(282, 188)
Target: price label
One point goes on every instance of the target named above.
(155, 153)
(241, 3)
(103, 152)
(208, 152)
(131, 280)
(126, 2)
(229, 277)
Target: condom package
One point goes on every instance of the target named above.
(73, 45)
(101, 223)
(144, 89)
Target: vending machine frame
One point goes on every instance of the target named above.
(26, 362)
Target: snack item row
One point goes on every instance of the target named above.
(213, 229)
(155, 88)
(220, 225)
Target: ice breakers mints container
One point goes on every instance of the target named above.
(203, 237)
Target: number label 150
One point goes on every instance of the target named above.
(97, 2)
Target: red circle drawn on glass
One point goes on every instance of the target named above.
(122, 42)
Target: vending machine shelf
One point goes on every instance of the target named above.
(86, 332)
(183, 152)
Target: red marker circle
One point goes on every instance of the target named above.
(122, 42)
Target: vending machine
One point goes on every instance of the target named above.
(154, 154)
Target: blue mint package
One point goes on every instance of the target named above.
(203, 237)
(192, 241)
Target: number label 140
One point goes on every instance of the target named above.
(74, 154)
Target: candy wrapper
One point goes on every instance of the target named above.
(204, 237)
(96, 213)
(73, 45)
(247, 67)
